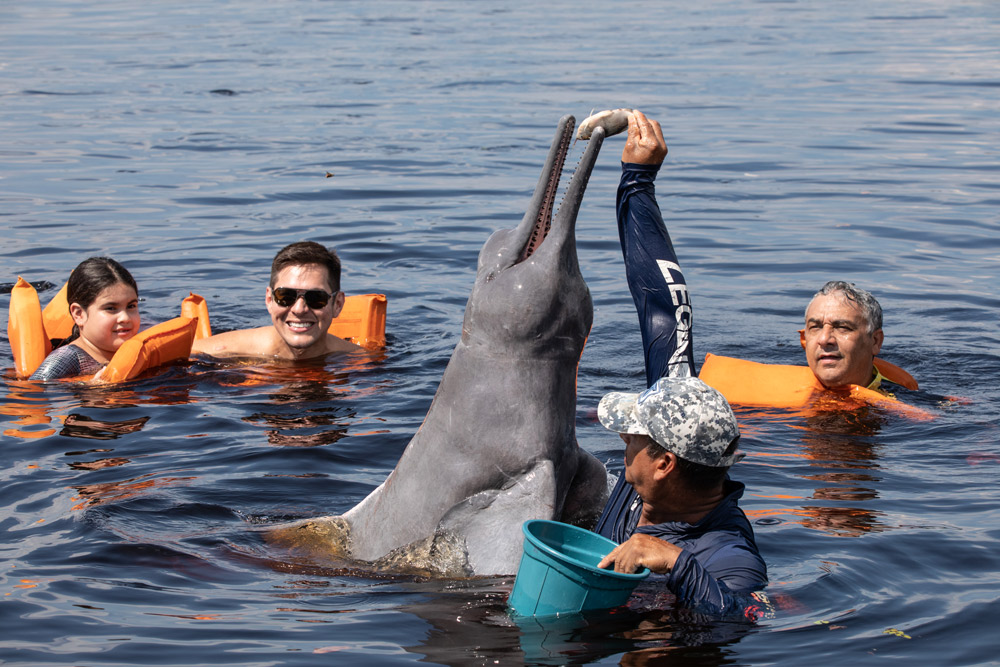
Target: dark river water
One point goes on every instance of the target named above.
(190, 140)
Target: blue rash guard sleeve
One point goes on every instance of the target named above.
(654, 277)
(723, 584)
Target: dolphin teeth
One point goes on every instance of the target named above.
(578, 163)
(543, 222)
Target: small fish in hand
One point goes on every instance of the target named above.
(613, 121)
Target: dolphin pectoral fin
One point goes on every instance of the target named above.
(326, 538)
(588, 492)
(439, 555)
(490, 521)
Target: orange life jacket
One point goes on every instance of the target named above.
(750, 383)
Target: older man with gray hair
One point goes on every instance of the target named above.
(842, 336)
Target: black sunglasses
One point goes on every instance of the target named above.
(287, 296)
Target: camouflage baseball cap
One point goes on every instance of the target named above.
(683, 415)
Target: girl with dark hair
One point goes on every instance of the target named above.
(104, 304)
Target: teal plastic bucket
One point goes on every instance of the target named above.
(559, 574)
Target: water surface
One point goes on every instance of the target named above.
(191, 140)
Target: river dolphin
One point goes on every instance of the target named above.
(498, 445)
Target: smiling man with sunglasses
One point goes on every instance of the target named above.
(303, 297)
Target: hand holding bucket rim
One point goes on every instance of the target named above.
(641, 551)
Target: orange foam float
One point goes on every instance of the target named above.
(754, 384)
(26, 329)
(158, 345)
(361, 320)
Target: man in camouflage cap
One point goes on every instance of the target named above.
(674, 508)
(677, 514)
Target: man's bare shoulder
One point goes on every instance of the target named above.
(264, 342)
(336, 344)
(257, 342)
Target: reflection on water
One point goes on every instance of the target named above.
(327, 437)
(91, 495)
(25, 401)
(97, 464)
(310, 397)
(469, 625)
(844, 443)
(81, 426)
(840, 453)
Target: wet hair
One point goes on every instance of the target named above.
(91, 277)
(307, 252)
(867, 303)
(695, 476)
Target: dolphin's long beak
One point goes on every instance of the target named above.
(509, 247)
(538, 217)
(538, 220)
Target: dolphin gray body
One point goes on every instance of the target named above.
(498, 445)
